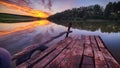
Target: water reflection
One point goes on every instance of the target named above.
(11, 28)
(107, 27)
(20, 35)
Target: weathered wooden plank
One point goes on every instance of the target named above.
(88, 54)
(59, 58)
(110, 60)
(88, 61)
(100, 44)
(77, 54)
(45, 61)
(99, 60)
(87, 66)
(33, 61)
(94, 43)
(98, 56)
(73, 59)
(88, 49)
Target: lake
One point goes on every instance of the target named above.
(15, 37)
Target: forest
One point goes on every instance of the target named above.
(93, 12)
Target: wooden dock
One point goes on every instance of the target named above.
(72, 52)
(78, 52)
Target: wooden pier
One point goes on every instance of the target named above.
(72, 52)
(78, 52)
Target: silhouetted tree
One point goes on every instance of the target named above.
(108, 9)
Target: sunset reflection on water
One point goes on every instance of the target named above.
(22, 26)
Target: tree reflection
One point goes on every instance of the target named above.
(93, 26)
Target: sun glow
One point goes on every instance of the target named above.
(32, 25)
(30, 11)
(41, 23)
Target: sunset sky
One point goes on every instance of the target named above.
(55, 5)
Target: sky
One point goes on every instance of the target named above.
(62, 5)
(54, 6)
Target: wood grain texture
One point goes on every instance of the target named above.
(74, 57)
(88, 59)
(43, 54)
(110, 60)
(60, 57)
(52, 55)
(77, 52)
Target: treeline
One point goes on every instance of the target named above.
(110, 12)
(14, 18)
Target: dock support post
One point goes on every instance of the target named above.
(69, 26)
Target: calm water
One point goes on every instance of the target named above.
(109, 32)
